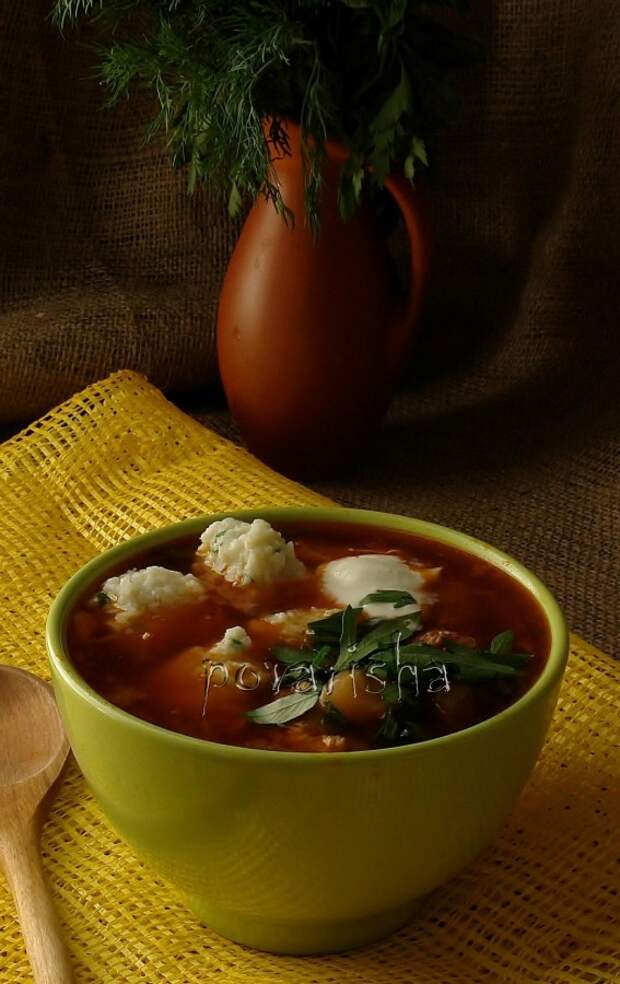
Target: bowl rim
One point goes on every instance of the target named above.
(61, 607)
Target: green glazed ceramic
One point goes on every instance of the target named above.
(304, 852)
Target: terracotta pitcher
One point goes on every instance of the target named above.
(312, 334)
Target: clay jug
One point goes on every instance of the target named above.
(312, 333)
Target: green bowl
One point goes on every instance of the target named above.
(298, 852)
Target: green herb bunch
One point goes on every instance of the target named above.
(374, 74)
(386, 649)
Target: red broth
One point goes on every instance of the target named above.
(154, 667)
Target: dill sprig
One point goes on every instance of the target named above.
(374, 74)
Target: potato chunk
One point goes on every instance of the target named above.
(353, 693)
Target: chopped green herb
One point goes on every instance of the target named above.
(329, 629)
(293, 675)
(348, 637)
(382, 635)
(516, 660)
(386, 648)
(291, 656)
(333, 718)
(294, 657)
(502, 644)
(399, 599)
(379, 668)
(285, 709)
(471, 664)
(101, 598)
(217, 541)
(391, 692)
(501, 649)
(321, 657)
(389, 730)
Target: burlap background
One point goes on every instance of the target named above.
(509, 424)
(106, 262)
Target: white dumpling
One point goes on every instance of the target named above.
(149, 589)
(349, 579)
(233, 642)
(248, 553)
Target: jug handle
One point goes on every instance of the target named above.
(415, 212)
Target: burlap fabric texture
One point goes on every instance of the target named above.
(540, 906)
(508, 427)
(106, 263)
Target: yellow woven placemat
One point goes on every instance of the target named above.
(541, 905)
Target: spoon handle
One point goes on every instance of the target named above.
(19, 854)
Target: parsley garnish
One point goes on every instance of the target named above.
(383, 647)
(383, 634)
(333, 718)
(399, 599)
(285, 709)
(291, 656)
(329, 629)
(348, 636)
(502, 644)
(471, 665)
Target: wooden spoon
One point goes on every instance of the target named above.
(33, 750)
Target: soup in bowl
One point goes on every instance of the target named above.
(306, 719)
